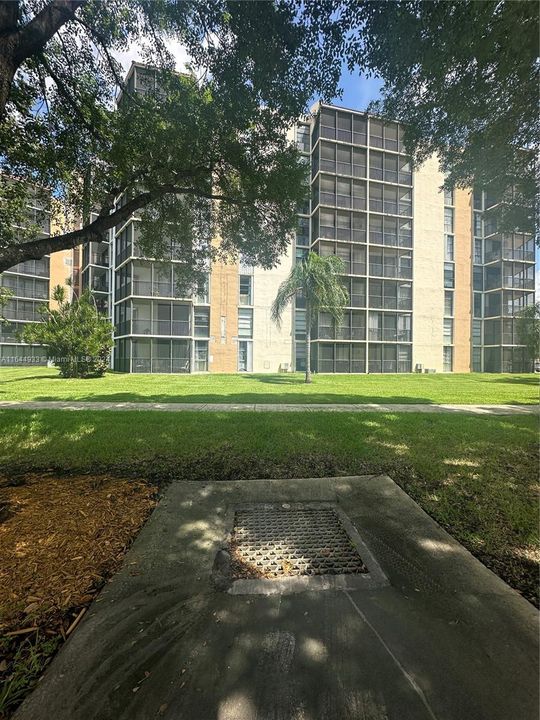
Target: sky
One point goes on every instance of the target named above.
(358, 90)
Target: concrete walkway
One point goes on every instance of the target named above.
(271, 407)
(441, 639)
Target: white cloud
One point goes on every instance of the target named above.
(135, 54)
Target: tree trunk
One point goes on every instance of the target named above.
(308, 344)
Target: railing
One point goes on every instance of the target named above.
(176, 328)
(509, 281)
(153, 289)
(389, 303)
(389, 335)
(391, 271)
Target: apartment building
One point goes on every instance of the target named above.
(431, 284)
(224, 327)
(30, 284)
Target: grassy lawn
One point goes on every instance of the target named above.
(45, 384)
(476, 475)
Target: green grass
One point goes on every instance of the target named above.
(45, 384)
(476, 475)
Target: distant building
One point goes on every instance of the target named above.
(31, 283)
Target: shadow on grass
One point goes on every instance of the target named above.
(288, 398)
(518, 381)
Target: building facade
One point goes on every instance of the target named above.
(30, 284)
(431, 285)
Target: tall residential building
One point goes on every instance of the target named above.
(31, 283)
(431, 284)
(225, 327)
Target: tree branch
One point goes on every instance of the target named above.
(93, 232)
(18, 44)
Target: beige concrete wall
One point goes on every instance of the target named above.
(62, 262)
(61, 268)
(463, 291)
(428, 266)
(223, 347)
(272, 347)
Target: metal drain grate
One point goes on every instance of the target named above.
(283, 541)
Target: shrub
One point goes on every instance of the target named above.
(76, 336)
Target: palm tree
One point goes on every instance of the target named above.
(317, 279)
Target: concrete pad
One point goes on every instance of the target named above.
(444, 639)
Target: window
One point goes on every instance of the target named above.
(326, 358)
(302, 137)
(245, 290)
(300, 357)
(328, 157)
(245, 356)
(448, 220)
(477, 200)
(202, 295)
(448, 275)
(376, 166)
(478, 279)
(391, 136)
(300, 324)
(326, 326)
(448, 197)
(477, 305)
(359, 130)
(245, 322)
(405, 171)
(449, 247)
(328, 124)
(448, 303)
(344, 127)
(359, 162)
(448, 331)
(202, 322)
(358, 292)
(478, 251)
(477, 224)
(375, 133)
(201, 355)
(448, 353)
(344, 165)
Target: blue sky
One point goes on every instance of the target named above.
(358, 90)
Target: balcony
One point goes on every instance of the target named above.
(175, 328)
(390, 271)
(389, 335)
(146, 288)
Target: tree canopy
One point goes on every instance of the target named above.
(528, 330)
(217, 134)
(462, 76)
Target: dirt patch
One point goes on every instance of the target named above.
(60, 540)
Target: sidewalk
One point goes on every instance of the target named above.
(271, 407)
(441, 638)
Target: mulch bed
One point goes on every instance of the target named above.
(61, 538)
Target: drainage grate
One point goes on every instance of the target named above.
(272, 541)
